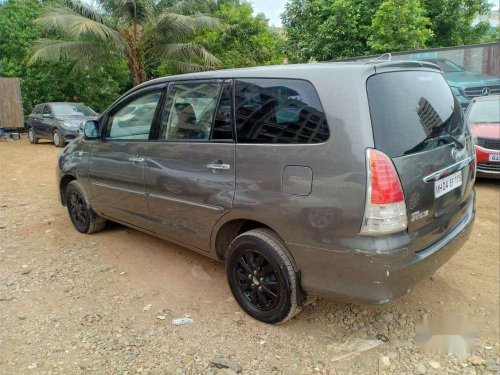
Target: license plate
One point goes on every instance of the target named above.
(495, 157)
(447, 184)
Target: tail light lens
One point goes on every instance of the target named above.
(385, 209)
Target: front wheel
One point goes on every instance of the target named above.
(261, 276)
(31, 136)
(84, 219)
(57, 139)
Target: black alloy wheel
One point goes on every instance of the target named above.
(258, 280)
(84, 219)
(78, 211)
(262, 277)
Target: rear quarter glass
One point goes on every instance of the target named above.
(408, 109)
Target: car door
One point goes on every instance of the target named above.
(190, 174)
(46, 122)
(117, 162)
(35, 120)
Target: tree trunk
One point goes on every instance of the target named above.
(135, 56)
(137, 73)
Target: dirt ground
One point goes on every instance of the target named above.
(103, 303)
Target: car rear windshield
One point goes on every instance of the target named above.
(412, 111)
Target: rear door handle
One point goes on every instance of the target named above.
(217, 166)
(136, 159)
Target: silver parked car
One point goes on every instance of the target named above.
(339, 180)
(58, 122)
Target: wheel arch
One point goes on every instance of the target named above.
(63, 184)
(227, 231)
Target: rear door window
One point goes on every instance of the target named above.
(279, 111)
(411, 111)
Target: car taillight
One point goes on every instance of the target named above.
(385, 209)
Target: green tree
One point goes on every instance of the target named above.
(143, 32)
(493, 36)
(399, 25)
(328, 29)
(44, 81)
(243, 39)
(452, 21)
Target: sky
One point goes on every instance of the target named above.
(271, 8)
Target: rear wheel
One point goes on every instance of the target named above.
(31, 136)
(261, 276)
(84, 219)
(57, 139)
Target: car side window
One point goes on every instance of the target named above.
(279, 111)
(133, 121)
(46, 110)
(190, 111)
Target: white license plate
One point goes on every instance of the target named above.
(447, 184)
(495, 157)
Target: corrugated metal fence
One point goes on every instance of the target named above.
(11, 108)
(478, 58)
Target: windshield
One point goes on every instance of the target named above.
(71, 109)
(447, 66)
(487, 112)
(412, 111)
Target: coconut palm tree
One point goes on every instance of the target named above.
(144, 32)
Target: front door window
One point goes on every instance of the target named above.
(133, 121)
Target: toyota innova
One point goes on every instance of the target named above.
(340, 180)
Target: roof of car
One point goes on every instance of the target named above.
(62, 103)
(298, 71)
(486, 98)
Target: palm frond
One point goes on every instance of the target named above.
(178, 26)
(132, 11)
(77, 26)
(185, 6)
(187, 52)
(179, 67)
(89, 11)
(83, 53)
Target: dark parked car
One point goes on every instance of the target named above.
(339, 180)
(58, 122)
(466, 85)
(483, 118)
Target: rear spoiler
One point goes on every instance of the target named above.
(381, 65)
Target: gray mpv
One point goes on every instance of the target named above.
(338, 180)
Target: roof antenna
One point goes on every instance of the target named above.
(384, 57)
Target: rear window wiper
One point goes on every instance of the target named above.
(450, 138)
(441, 137)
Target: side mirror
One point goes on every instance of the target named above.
(46, 115)
(90, 130)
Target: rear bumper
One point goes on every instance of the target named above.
(376, 278)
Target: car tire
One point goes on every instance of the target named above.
(57, 139)
(84, 219)
(32, 137)
(262, 277)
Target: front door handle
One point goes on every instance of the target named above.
(218, 166)
(136, 159)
